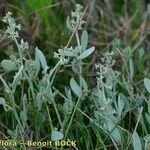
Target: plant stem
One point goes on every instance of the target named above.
(49, 117)
(15, 111)
(58, 115)
(76, 106)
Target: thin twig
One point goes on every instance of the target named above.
(76, 27)
(139, 117)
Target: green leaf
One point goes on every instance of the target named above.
(126, 102)
(39, 55)
(131, 68)
(69, 53)
(147, 116)
(23, 116)
(147, 84)
(3, 103)
(31, 68)
(97, 116)
(68, 24)
(8, 65)
(114, 131)
(38, 101)
(141, 53)
(121, 105)
(98, 96)
(17, 79)
(76, 88)
(68, 94)
(15, 133)
(11, 133)
(37, 63)
(84, 84)
(149, 107)
(23, 113)
(136, 142)
(84, 40)
(68, 105)
(49, 93)
(116, 43)
(5, 84)
(56, 135)
(128, 53)
(86, 53)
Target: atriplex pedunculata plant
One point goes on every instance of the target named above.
(109, 105)
(40, 93)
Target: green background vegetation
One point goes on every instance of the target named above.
(121, 26)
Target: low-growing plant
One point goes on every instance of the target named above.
(106, 116)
